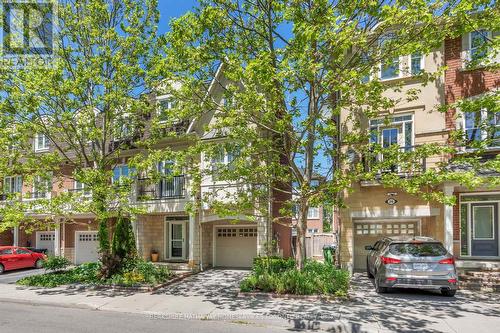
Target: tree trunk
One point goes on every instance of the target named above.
(300, 254)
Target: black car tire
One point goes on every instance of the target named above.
(448, 292)
(2, 269)
(368, 273)
(39, 263)
(379, 289)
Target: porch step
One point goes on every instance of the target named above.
(487, 280)
(175, 267)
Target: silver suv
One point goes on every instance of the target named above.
(417, 262)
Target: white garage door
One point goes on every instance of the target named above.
(235, 247)
(367, 233)
(86, 246)
(46, 240)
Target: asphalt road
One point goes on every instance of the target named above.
(15, 318)
(13, 276)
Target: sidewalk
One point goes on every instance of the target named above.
(212, 295)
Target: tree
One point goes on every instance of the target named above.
(290, 68)
(91, 105)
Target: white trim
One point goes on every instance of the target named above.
(478, 193)
(492, 206)
(46, 143)
(469, 46)
(422, 64)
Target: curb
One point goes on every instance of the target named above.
(50, 304)
(323, 298)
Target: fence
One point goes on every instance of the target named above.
(315, 243)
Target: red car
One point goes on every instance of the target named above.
(13, 257)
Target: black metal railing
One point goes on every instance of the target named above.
(403, 161)
(37, 195)
(169, 188)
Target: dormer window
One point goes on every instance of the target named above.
(41, 142)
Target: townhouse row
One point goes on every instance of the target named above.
(469, 229)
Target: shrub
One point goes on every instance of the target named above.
(133, 272)
(123, 244)
(272, 264)
(280, 276)
(53, 263)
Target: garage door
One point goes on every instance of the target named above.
(46, 240)
(235, 247)
(367, 233)
(86, 246)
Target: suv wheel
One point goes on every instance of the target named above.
(368, 273)
(378, 288)
(448, 292)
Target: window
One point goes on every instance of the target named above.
(121, 172)
(41, 187)
(418, 250)
(5, 252)
(395, 130)
(480, 126)
(313, 213)
(312, 231)
(164, 105)
(477, 40)
(389, 69)
(416, 63)
(80, 188)
(22, 251)
(41, 142)
(13, 184)
(169, 187)
(483, 222)
(223, 157)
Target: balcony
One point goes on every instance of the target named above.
(37, 195)
(171, 188)
(409, 162)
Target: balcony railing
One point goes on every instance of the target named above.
(404, 167)
(37, 195)
(171, 188)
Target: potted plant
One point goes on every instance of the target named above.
(154, 255)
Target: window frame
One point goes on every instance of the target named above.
(410, 63)
(12, 180)
(46, 141)
(159, 101)
(483, 133)
(118, 181)
(313, 216)
(469, 36)
(381, 125)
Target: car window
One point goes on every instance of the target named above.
(22, 251)
(5, 252)
(418, 249)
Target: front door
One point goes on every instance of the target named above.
(484, 227)
(177, 239)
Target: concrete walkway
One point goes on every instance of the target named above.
(212, 295)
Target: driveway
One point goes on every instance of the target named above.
(216, 291)
(12, 276)
(213, 295)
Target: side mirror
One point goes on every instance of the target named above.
(369, 248)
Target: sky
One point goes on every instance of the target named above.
(173, 8)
